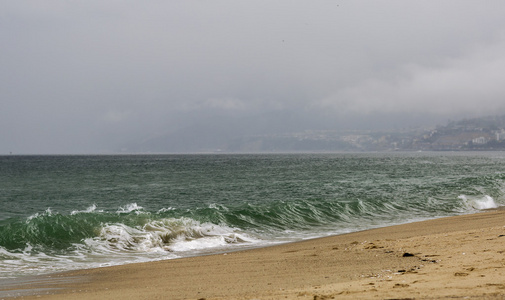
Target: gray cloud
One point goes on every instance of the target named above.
(89, 76)
(462, 85)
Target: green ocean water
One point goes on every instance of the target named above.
(66, 212)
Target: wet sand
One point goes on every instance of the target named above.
(453, 257)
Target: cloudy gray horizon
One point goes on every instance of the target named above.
(93, 76)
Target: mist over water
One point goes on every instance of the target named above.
(67, 212)
(192, 76)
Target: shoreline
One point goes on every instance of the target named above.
(455, 256)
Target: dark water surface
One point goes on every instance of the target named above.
(66, 212)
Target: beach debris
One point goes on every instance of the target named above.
(430, 260)
(406, 254)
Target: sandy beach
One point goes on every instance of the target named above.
(454, 257)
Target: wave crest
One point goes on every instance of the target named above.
(181, 234)
(132, 207)
(90, 209)
(478, 203)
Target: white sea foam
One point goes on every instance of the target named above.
(47, 212)
(120, 243)
(174, 235)
(218, 206)
(90, 209)
(130, 208)
(166, 209)
(29, 261)
(478, 203)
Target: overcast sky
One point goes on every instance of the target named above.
(87, 76)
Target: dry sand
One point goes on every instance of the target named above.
(455, 257)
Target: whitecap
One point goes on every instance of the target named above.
(132, 207)
(218, 207)
(90, 209)
(485, 202)
(165, 210)
(171, 234)
(47, 212)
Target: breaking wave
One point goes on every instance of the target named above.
(50, 241)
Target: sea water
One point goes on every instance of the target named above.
(59, 213)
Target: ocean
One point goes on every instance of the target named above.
(60, 213)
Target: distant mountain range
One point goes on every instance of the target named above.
(485, 133)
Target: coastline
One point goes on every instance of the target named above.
(451, 257)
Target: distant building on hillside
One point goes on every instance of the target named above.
(480, 140)
(500, 135)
